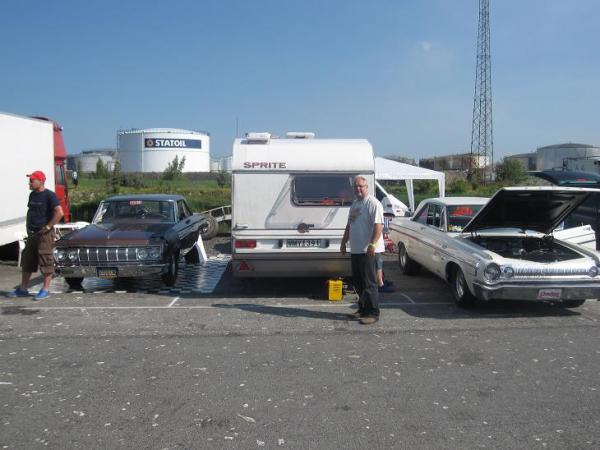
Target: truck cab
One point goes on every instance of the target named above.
(61, 188)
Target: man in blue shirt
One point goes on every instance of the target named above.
(44, 211)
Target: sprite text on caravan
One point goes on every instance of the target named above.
(172, 143)
(264, 165)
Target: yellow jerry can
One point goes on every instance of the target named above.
(334, 290)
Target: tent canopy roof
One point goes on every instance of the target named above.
(387, 169)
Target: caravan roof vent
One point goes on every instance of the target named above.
(258, 138)
(300, 135)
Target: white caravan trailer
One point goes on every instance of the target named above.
(291, 199)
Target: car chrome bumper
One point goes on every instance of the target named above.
(123, 271)
(291, 265)
(530, 291)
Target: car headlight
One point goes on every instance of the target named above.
(60, 255)
(72, 255)
(593, 271)
(508, 272)
(142, 253)
(491, 272)
(155, 252)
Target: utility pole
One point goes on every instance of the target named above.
(482, 142)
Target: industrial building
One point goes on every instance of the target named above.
(86, 161)
(458, 162)
(221, 165)
(527, 160)
(152, 149)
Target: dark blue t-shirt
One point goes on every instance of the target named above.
(41, 209)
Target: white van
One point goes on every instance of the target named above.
(391, 204)
(291, 199)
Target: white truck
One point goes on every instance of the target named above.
(291, 199)
(26, 145)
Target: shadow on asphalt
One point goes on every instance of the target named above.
(18, 310)
(285, 312)
(284, 288)
(503, 309)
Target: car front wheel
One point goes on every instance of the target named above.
(170, 277)
(74, 281)
(407, 265)
(460, 289)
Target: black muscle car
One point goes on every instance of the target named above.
(131, 236)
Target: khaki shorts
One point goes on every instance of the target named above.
(38, 253)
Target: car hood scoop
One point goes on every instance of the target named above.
(539, 209)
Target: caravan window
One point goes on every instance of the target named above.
(322, 190)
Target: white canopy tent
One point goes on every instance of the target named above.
(388, 170)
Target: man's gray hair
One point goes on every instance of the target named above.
(360, 177)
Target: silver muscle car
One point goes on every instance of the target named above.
(502, 248)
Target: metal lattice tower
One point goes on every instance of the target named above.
(482, 143)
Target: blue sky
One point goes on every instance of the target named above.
(398, 72)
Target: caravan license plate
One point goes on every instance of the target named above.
(549, 294)
(303, 243)
(107, 272)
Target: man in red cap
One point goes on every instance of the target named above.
(44, 212)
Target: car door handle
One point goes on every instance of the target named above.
(240, 226)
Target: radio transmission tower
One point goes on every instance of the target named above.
(482, 143)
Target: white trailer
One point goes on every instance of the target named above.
(26, 145)
(291, 199)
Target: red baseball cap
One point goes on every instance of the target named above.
(37, 175)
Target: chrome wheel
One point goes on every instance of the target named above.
(460, 290)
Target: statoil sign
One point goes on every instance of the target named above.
(172, 143)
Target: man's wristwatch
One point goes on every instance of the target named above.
(371, 244)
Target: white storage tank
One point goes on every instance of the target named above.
(227, 164)
(215, 165)
(87, 162)
(152, 149)
(569, 156)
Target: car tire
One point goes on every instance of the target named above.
(572, 303)
(460, 289)
(408, 266)
(211, 229)
(170, 277)
(74, 281)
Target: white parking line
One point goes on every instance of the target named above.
(225, 305)
(173, 302)
(408, 298)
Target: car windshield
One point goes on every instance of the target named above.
(460, 215)
(134, 210)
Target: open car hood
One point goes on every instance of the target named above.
(539, 209)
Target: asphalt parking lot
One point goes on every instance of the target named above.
(273, 364)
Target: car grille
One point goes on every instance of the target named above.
(106, 254)
(529, 272)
